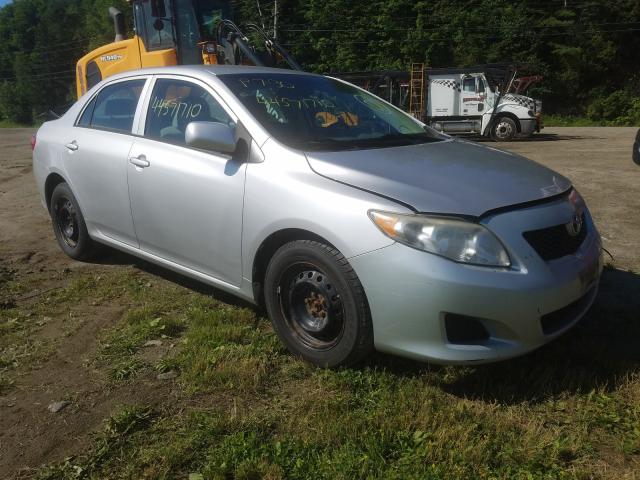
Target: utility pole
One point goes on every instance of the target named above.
(275, 19)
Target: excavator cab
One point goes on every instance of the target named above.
(177, 32)
(185, 26)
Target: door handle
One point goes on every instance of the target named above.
(140, 161)
(73, 146)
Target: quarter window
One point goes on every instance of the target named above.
(176, 103)
(114, 107)
(85, 118)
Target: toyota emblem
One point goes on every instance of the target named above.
(574, 227)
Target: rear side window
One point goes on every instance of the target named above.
(176, 103)
(114, 107)
(85, 118)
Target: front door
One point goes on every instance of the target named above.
(97, 151)
(186, 203)
(472, 96)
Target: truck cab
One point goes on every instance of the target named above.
(481, 102)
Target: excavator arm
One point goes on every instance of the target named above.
(164, 36)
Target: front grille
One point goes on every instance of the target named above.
(555, 242)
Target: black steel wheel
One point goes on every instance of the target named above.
(66, 217)
(311, 306)
(68, 224)
(317, 304)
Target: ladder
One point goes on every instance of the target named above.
(416, 90)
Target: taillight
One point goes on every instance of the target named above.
(33, 141)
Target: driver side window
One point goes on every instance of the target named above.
(469, 85)
(176, 103)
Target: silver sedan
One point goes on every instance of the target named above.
(355, 225)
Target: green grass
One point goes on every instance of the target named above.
(18, 346)
(249, 410)
(12, 124)
(568, 121)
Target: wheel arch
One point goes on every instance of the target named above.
(268, 248)
(53, 180)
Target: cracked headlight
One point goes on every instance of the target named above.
(456, 239)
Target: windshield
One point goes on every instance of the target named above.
(320, 113)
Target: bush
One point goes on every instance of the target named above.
(619, 108)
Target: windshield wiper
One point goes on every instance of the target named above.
(392, 139)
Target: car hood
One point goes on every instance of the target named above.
(447, 177)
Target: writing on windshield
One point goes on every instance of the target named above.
(310, 111)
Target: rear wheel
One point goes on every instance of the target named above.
(69, 225)
(317, 305)
(504, 129)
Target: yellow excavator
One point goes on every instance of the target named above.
(179, 32)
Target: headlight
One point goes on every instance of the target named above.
(457, 240)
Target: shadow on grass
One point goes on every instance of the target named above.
(114, 257)
(601, 351)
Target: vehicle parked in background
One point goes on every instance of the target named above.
(179, 32)
(636, 149)
(356, 225)
(485, 100)
(470, 101)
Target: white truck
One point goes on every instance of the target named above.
(470, 101)
(482, 100)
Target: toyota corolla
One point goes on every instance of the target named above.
(354, 224)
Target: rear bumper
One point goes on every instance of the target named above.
(410, 293)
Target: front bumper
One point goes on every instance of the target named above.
(528, 126)
(410, 292)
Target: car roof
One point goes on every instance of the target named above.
(204, 71)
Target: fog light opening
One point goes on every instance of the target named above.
(463, 330)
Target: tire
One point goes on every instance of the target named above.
(69, 226)
(317, 305)
(636, 149)
(504, 129)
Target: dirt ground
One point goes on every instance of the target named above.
(597, 160)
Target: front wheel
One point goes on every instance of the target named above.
(317, 305)
(69, 225)
(504, 129)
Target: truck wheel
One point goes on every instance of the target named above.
(504, 129)
(317, 305)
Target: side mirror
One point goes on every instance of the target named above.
(211, 136)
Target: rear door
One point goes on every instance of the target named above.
(96, 160)
(186, 203)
